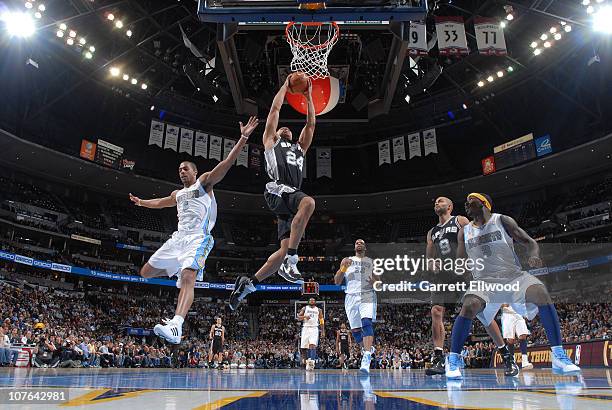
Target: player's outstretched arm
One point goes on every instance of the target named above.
(339, 276)
(518, 234)
(273, 116)
(209, 179)
(156, 203)
(311, 119)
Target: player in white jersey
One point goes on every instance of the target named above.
(360, 300)
(514, 327)
(312, 318)
(185, 253)
(488, 241)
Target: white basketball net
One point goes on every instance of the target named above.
(311, 44)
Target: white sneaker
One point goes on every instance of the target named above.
(169, 331)
(453, 366)
(365, 362)
(310, 364)
(561, 363)
(289, 271)
(526, 365)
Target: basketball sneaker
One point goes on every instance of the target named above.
(169, 331)
(437, 365)
(526, 366)
(453, 366)
(242, 287)
(289, 271)
(562, 364)
(310, 364)
(365, 362)
(510, 367)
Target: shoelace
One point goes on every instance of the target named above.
(564, 359)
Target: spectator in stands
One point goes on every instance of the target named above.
(45, 353)
(5, 345)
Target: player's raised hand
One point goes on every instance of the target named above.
(346, 262)
(135, 200)
(247, 129)
(308, 91)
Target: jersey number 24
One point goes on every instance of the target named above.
(292, 160)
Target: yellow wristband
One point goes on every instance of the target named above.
(343, 269)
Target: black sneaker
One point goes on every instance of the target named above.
(242, 287)
(437, 366)
(511, 368)
(289, 271)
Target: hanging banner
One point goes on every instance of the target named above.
(215, 147)
(488, 165)
(489, 37)
(88, 150)
(384, 152)
(156, 136)
(451, 36)
(186, 144)
(201, 144)
(324, 162)
(255, 159)
(228, 145)
(418, 39)
(429, 142)
(399, 149)
(414, 145)
(171, 137)
(243, 156)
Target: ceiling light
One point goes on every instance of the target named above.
(110, 16)
(152, 108)
(534, 44)
(481, 83)
(537, 51)
(490, 78)
(407, 98)
(38, 15)
(72, 33)
(510, 69)
(92, 49)
(547, 44)
(42, 7)
(544, 37)
(59, 33)
(553, 30)
(126, 77)
(567, 28)
(590, 10)
(115, 71)
(119, 24)
(63, 27)
(503, 24)
(134, 81)
(70, 41)
(28, 5)
(586, 2)
(602, 20)
(128, 33)
(88, 55)
(510, 17)
(500, 74)
(82, 41)
(144, 86)
(19, 24)
(558, 36)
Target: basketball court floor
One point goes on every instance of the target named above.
(322, 389)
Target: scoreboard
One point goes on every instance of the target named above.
(109, 154)
(515, 152)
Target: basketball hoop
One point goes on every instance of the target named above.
(311, 44)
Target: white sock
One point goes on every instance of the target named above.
(525, 359)
(178, 320)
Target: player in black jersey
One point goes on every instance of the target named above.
(217, 339)
(343, 344)
(442, 246)
(293, 208)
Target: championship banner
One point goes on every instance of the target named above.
(430, 142)
(171, 137)
(186, 141)
(156, 135)
(215, 147)
(324, 162)
(255, 159)
(88, 150)
(228, 145)
(418, 39)
(451, 36)
(414, 145)
(489, 37)
(488, 165)
(384, 153)
(201, 144)
(399, 149)
(243, 156)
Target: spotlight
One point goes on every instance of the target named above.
(553, 30)
(72, 33)
(128, 33)
(490, 78)
(134, 81)
(537, 51)
(590, 10)
(63, 27)
(92, 49)
(144, 86)
(19, 24)
(38, 15)
(119, 24)
(70, 41)
(152, 108)
(88, 55)
(481, 83)
(534, 44)
(42, 7)
(544, 37)
(215, 98)
(115, 71)
(586, 2)
(510, 17)
(126, 77)
(407, 98)
(547, 44)
(82, 41)
(28, 5)
(602, 20)
(558, 36)
(464, 106)
(59, 33)
(510, 69)
(500, 74)
(110, 16)
(567, 28)
(503, 24)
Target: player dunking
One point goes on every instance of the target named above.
(293, 208)
(442, 245)
(360, 301)
(514, 326)
(217, 340)
(343, 345)
(312, 318)
(490, 238)
(185, 253)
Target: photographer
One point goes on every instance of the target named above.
(45, 353)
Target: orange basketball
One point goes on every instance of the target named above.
(298, 82)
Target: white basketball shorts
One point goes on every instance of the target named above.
(310, 336)
(183, 251)
(359, 306)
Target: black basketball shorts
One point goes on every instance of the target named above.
(284, 207)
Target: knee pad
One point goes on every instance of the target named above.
(366, 327)
(357, 335)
